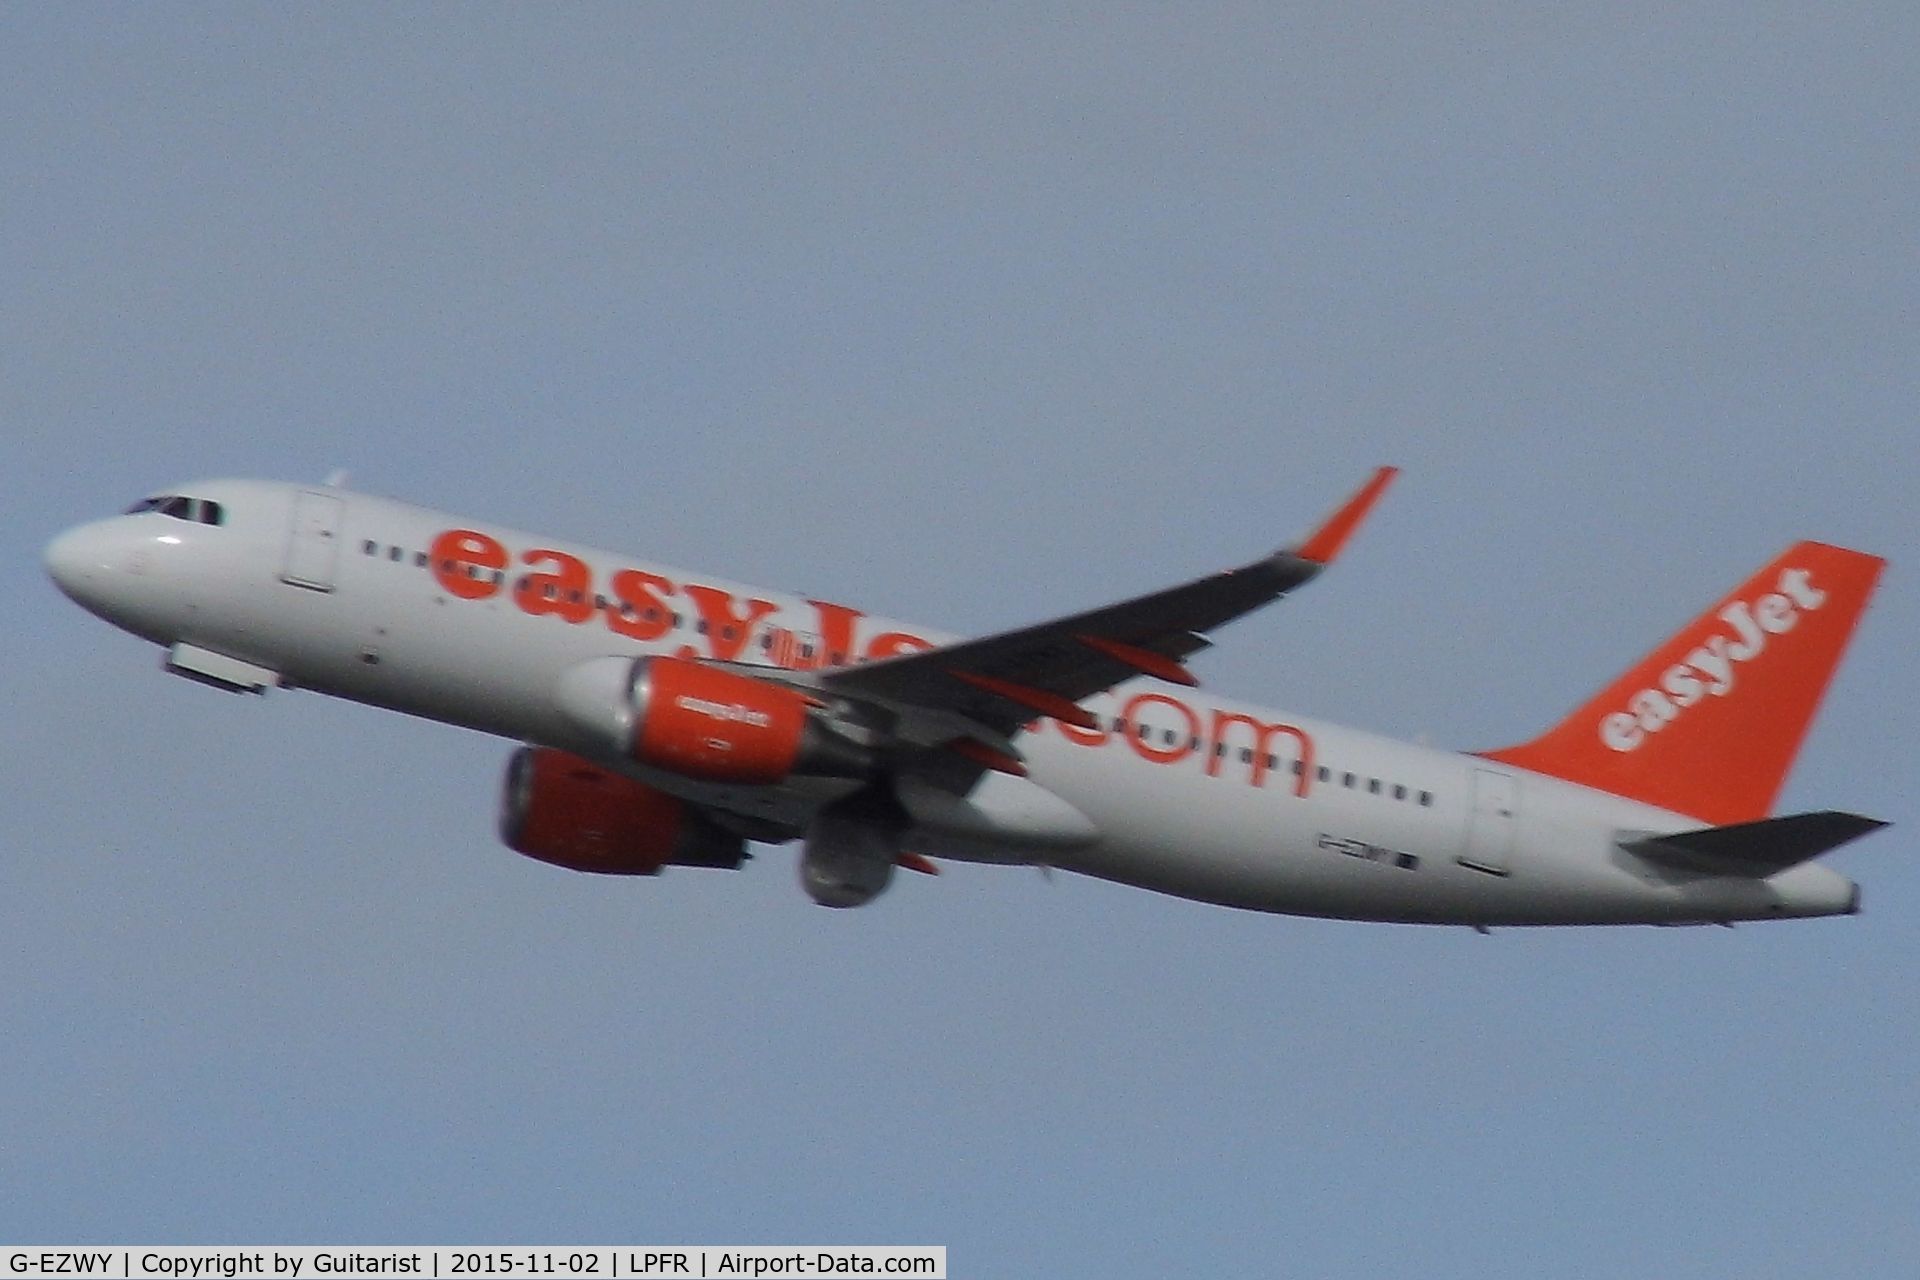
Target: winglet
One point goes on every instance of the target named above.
(1325, 542)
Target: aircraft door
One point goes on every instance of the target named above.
(1496, 808)
(313, 544)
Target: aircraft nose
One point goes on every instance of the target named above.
(77, 562)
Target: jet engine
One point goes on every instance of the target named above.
(703, 722)
(850, 851)
(559, 808)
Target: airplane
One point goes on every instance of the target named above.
(669, 718)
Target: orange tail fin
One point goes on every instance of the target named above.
(1708, 724)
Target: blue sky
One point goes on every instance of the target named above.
(966, 315)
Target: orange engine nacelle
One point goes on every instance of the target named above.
(559, 808)
(705, 723)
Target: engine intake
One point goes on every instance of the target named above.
(702, 722)
(561, 809)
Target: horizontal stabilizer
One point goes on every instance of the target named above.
(1757, 849)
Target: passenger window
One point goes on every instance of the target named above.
(1426, 797)
(1373, 785)
(1325, 773)
(394, 554)
(1346, 779)
(419, 559)
(1399, 793)
(1168, 736)
(369, 547)
(1246, 755)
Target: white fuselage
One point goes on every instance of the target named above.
(1197, 796)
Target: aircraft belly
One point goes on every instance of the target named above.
(1212, 839)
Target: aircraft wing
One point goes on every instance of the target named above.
(1005, 680)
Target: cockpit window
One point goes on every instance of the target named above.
(199, 510)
